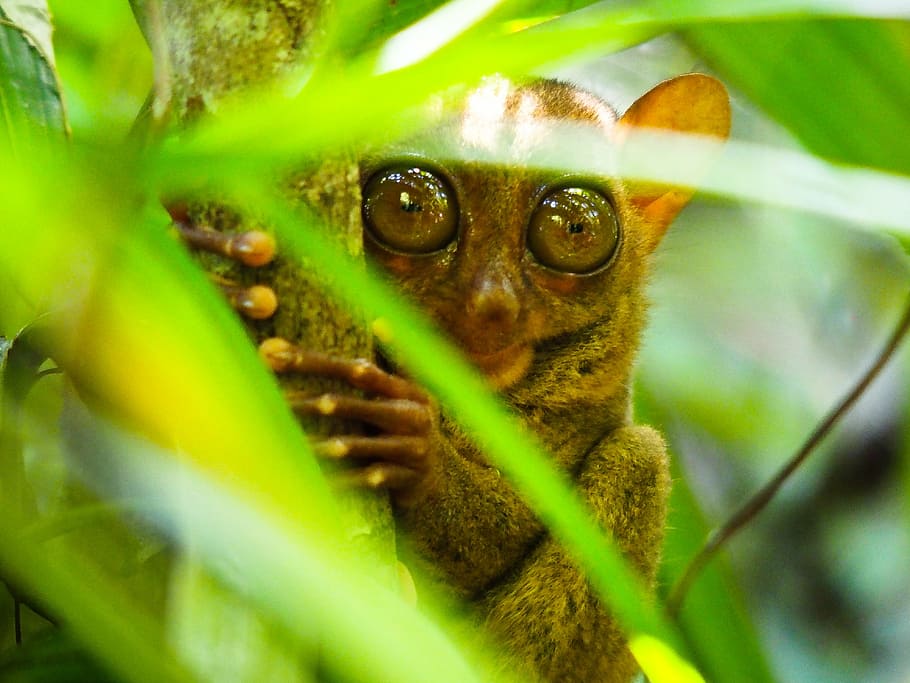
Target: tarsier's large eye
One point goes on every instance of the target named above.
(573, 230)
(410, 209)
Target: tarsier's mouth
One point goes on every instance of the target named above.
(504, 368)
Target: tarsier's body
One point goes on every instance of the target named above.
(539, 277)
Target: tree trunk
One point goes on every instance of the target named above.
(205, 50)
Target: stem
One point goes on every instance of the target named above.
(722, 535)
(17, 620)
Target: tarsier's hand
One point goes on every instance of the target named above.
(252, 248)
(402, 456)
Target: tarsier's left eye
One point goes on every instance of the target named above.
(410, 209)
(573, 230)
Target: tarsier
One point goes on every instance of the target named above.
(539, 277)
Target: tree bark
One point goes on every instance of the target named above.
(205, 50)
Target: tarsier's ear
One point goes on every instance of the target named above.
(692, 103)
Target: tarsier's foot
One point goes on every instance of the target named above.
(401, 457)
(252, 248)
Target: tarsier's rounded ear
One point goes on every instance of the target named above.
(694, 104)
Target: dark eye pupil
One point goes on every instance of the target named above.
(409, 206)
(576, 228)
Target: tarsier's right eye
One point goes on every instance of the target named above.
(410, 209)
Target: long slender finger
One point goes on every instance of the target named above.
(381, 475)
(257, 302)
(395, 416)
(408, 451)
(252, 248)
(282, 356)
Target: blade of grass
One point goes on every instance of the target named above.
(795, 180)
(865, 197)
(715, 620)
(166, 384)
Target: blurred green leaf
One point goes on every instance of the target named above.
(363, 27)
(840, 86)
(160, 386)
(147, 375)
(104, 65)
(321, 597)
(714, 620)
(56, 657)
(121, 636)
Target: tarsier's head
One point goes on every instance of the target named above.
(484, 223)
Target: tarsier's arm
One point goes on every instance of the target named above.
(472, 502)
(538, 276)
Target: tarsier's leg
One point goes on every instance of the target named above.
(399, 457)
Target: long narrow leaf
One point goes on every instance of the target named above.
(837, 85)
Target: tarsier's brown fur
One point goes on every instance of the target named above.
(560, 347)
(574, 394)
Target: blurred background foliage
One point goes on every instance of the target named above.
(762, 319)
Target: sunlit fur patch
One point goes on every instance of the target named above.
(605, 116)
(521, 122)
(484, 115)
(529, 126)
(500, 116)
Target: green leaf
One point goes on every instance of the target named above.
(119, 635)
(714, 619)
(840, 86)
(30, 102)
(33, 17)
(54, 657)
(254, 490)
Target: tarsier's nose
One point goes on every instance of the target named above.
(493, 300)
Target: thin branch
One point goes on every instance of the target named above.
(720, 536)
